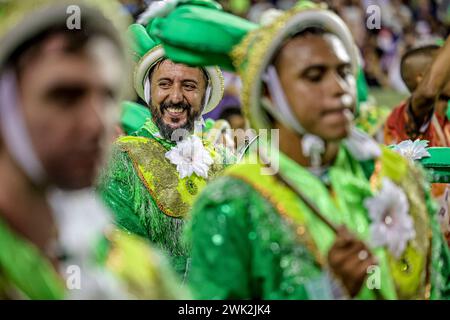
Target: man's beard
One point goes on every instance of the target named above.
(166, 131)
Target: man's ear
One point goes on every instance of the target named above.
(419, 78)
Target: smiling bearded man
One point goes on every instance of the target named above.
(178, 95)
(155, 174)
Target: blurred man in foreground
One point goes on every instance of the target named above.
(60, 84)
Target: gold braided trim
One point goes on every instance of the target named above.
(418, 210)
(172, 195)
(409, 272)
(182, 209)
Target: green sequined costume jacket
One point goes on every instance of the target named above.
(146, 194)
(252, 237)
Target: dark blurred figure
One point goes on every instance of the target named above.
(134, 7)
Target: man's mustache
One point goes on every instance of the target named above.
(181, 105)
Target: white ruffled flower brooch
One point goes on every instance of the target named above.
(412, 150)
(190, 156)
(392, 225)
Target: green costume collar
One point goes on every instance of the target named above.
(150, 130)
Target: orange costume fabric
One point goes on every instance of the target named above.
(401, 126)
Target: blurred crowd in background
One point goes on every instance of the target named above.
(403, 25)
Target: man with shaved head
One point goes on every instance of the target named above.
(424, 115)
(402, 124)
(415, 63)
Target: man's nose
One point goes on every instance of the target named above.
(337, 86)
(176, 94)
(94, 116)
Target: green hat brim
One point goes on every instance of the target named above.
(438, 164)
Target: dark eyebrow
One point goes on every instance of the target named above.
(70, 90)
(190, 80)
(444, 97)
(325, 66)
(164, 79)
(75, 90)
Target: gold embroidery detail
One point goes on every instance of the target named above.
(161, 178)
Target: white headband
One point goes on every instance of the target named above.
(280, 110)
(14, 131)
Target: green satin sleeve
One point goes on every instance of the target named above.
(243, 249)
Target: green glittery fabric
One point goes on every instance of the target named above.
(242, 247)
(137, 211)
